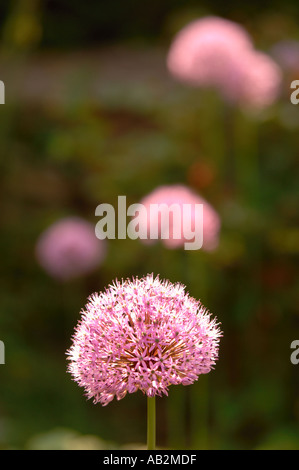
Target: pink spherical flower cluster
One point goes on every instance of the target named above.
(260, 81)
(145, 334)
(162, 198)
(215, 52)
(69, 248)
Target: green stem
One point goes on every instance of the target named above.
(246, 158)
(151, 423)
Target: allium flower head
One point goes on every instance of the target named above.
(257, 81)
(69, 248)
(165, 197)
(145, 334)
(215, 52)
(205, 51)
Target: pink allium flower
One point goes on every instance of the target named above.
(180, 195)
(259, 81)
(143, 334)
(69, 248)
(205, 51)
(215, 52)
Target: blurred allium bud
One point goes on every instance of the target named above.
(204, 51)
(215, 52)
(145, 334)
(260, 81)
(165, 197)
(69, 249)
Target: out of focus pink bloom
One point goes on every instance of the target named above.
(180, 195)
(215, 52)
(204, 51)
(260, 81)
(69, 248)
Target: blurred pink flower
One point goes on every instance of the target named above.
(180, 195)
(204, 51)
(260, 81)
(215, 52)
(69, 248)
(145, 334)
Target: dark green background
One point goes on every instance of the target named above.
(90, 114)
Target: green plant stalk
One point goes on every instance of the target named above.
(246, 159)
(151, 423)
